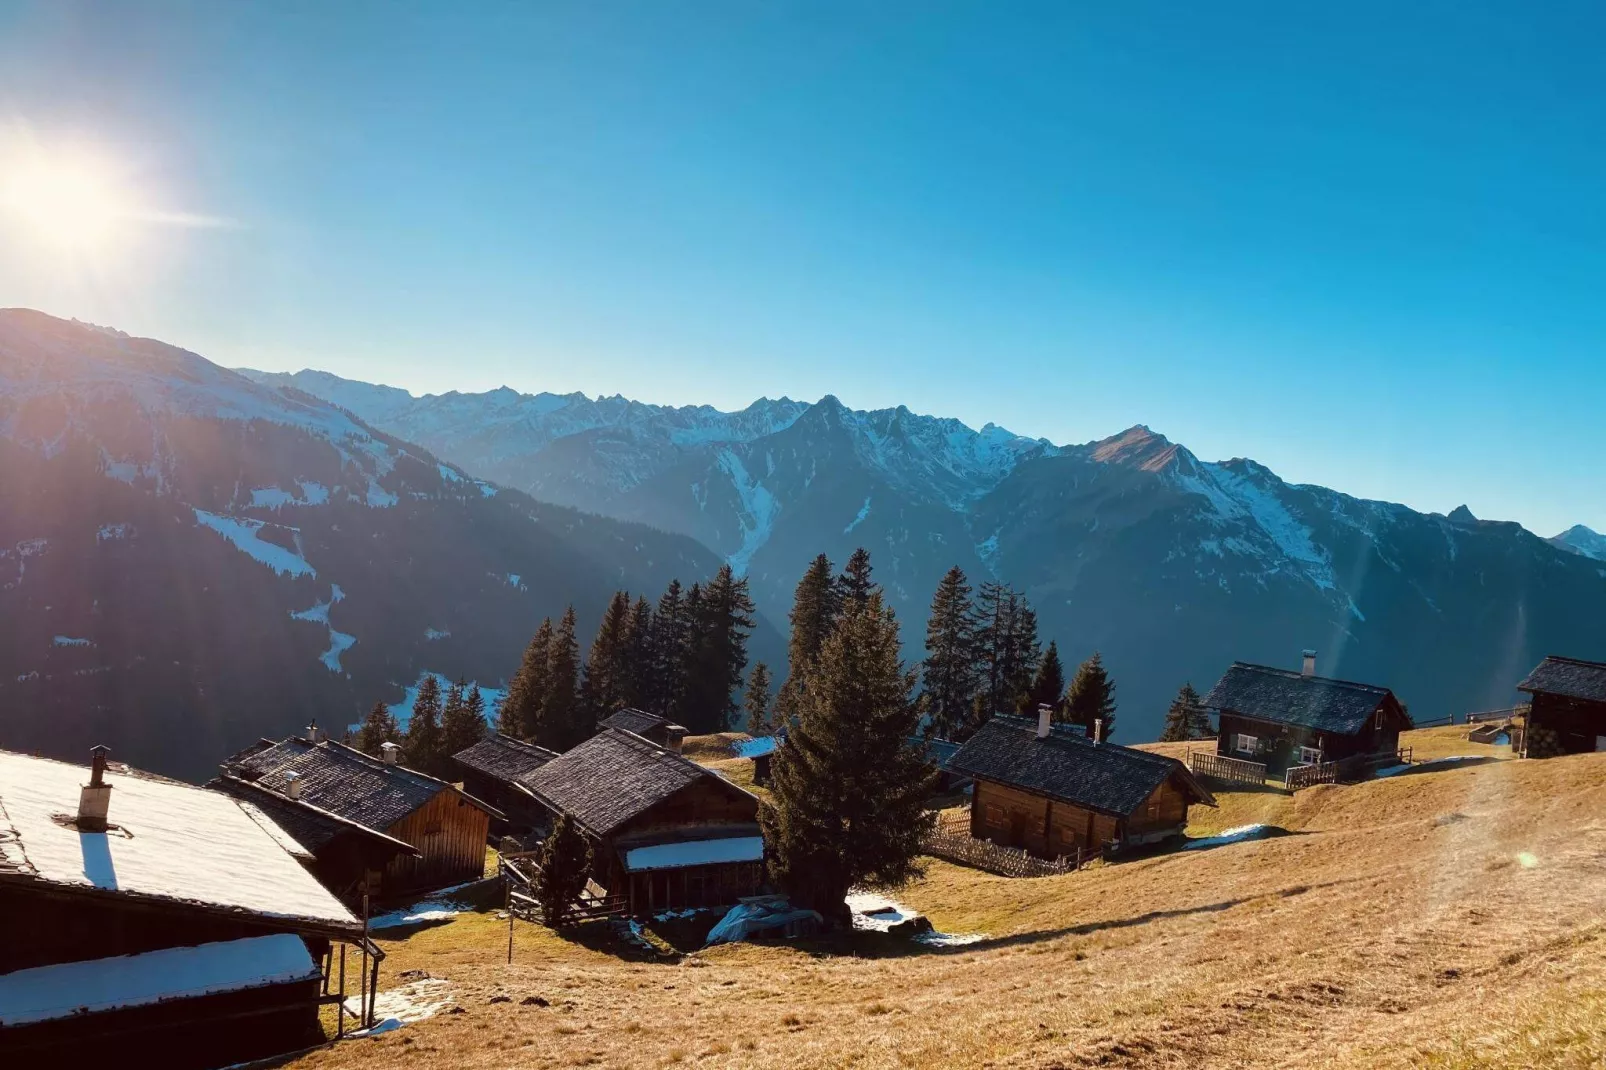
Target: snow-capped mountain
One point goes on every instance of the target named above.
(1172, 566)
(1581, 540)
(189, 559)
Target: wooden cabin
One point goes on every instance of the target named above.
(661, 730)
(446, 827)
(665, 832)
(760, 750)
(1052, 791)
(1568, 711)
(1282, 718)
(494, 770)
(139, 915)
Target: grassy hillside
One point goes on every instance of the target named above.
(1450, 919)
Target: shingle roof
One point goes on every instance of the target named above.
(1283, 697)
(942, 751)
(638, 721)
(614, 776)
(1104, 777)
(1569, 677)
(311, 826)
(504, 757)
(343, 781)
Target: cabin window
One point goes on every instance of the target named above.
(1246, 744)
(995, 814)
(1152, 811)
(1310, 755)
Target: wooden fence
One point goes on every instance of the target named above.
(1235, 770)
(1497, 715)
(520, 871)
(1303, 776)
(951, 840)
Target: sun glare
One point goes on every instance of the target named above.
(68, 200)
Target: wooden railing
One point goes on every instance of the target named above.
(1497, 715)
(1303, 776)
(1004, 861)
(1218, 767)
(519, 871)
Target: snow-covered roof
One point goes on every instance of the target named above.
(757, 747)
(45, 993)
(166, 841)
(695, 853)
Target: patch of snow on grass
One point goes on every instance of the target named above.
(378, 497)
(864, 511)
(271, 498)
(1233, 835)
(403, 710)
(242, 532)
(1407, 767)
(339, 642)
(412, 1002)
(877, 913)
(67, 640)
(432, 634)
(113, 531)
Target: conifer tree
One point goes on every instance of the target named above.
(423, 744)
(564, 723)
(669, 635)
(855, 584)
(638, 656)
(814, 610)
(722, 615)
(520, 715)
(607, 668)
(377, 728)
(949, 675)
(463, 723)
(1007, 645)
(1199, 726)
(849, 787)
(757, 701)
(1048, 685)
(565, 865)
(1091, 696)
(1183, 719)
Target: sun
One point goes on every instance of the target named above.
(70, 200)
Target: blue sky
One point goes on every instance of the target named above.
(1364, 244)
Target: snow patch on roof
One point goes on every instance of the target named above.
(695, 853)
(244, 533)
(45, 993)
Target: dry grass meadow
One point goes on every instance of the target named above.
(1445, 919)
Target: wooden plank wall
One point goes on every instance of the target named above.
(451, 832)
(1046, 828)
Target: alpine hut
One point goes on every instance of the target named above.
(661, 730)
(1053, 791)
(665, 832)
(494, 770)
(1568, 711)
(142, 915)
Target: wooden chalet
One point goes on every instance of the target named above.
(760, 750)
(1568, 711)
(445, 826)
(494, 770)
(1281, 718)
(661, 730)
(666, 833)
(140, 915)
(1053, 792)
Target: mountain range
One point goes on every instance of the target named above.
(190, 560)
(1172, 566)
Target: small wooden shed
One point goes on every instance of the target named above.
(666, 833)
(1053, 792)
(1568, 711)
(140, 915)
(661, 730)
(446, 826)
(494, 770)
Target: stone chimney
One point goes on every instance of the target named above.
(1098, 730)
(94, 799)
(292, 785)
(1045, 718)
(314, 733)
(1309, 668)
(389, 752)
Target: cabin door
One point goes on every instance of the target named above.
(1017, 829)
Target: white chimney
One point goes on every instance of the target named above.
(1045, 716)
(1098, 730)
(1309, 668)
(389, 752)
(94, 799)
(292, 785)
(314, 734)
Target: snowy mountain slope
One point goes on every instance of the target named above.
(1171, 565)
(228, 560)
(1581, 540)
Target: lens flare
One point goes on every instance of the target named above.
(66, 199)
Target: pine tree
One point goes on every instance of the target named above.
(849, 788)
(814, 610)
(463, 723)
(638, 656)
(949, 675)
(722, 616)
(669, 635)
(855, 584)
(565, 866)
(757, 701)
(423, 744)
(564, 723)
(1007, 649)
(607, 668)
(526, 692)
(1184, 718)
(377, 728)
(1048, 685)
(1091, 696)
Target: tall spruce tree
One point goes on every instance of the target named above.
(756, 701)
(565, 865)
(949, 677)
(849, 789)
(526, 692)
(1183, 718)
(814, 611)
(1091, 696)
(638, 656)
(722, 617)
(463, 723)
(607, 668)
(1007, 645)
(855, 584)
(670, 632)
(1048, 685)
(423, 744)
(564, 720)
(377, 728)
